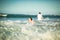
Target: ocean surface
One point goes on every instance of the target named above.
(17, 27)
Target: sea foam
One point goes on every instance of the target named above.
(22, 30)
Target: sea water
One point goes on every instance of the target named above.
(21, 29)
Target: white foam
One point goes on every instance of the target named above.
(44, 30)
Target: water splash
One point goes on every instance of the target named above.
(41, 30)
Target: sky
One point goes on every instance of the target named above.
(51, 7)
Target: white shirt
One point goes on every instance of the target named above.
(39, 16)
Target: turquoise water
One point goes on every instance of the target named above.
(21, 29)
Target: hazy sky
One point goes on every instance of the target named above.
(30, 6)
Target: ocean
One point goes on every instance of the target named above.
(17, 27)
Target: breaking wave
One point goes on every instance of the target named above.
(22, 30)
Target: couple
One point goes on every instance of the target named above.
(39, 17)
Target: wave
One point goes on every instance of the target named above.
(25, 15)
(22, 30)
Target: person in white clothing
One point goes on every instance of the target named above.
(39, 16)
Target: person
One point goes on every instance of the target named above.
(39, 16)
(30, 20)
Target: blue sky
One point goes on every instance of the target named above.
(30, 6)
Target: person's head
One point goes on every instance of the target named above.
(30, 19)
(39, 12)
